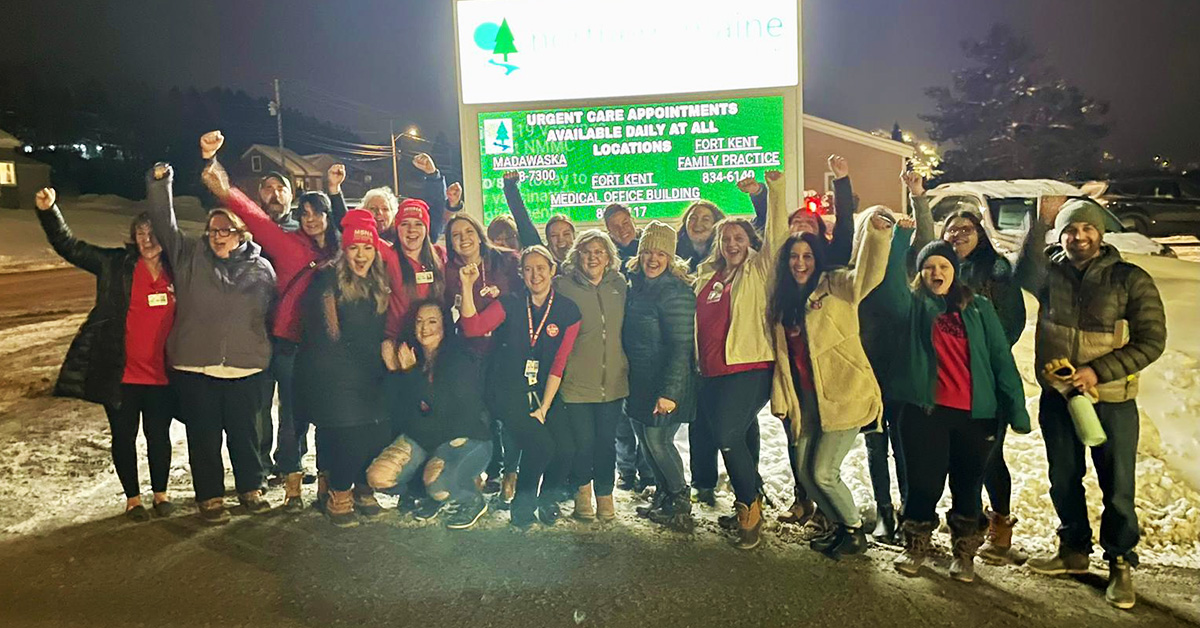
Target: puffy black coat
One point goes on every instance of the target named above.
(95, 362)
(339, 372)
(658, 335)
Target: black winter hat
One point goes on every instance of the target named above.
(940, 248)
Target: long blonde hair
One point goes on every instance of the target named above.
(679, 268)
(375, 286)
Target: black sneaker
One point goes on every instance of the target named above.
(309, 479)
(467, 514)
(548, 511)
(427, 509)
(627, 483)
(491, 485)
(137, 514)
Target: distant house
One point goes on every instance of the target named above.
(260, 159)
(875, 162)
(20, 176)
(358, 178)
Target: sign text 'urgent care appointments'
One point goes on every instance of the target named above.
(654, 158)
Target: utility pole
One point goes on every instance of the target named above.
(395, 159)
(277, 111)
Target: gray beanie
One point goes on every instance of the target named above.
(1079, 210)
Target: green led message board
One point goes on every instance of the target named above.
(655, 159)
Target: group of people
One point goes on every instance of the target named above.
(553, 371)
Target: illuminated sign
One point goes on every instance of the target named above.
(553, 50)
(653, 158)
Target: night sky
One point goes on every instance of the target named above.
(867, 62)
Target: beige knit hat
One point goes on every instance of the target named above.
(658, 236)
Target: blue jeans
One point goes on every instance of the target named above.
(449, 472)
(819, 457)
(1114, 461)
(632, 459)
(291, 442)
(664, 458)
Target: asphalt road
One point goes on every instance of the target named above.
(41, 295)
(288, 570)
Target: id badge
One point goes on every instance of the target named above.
(531, 372)
(158, 299)
(425, 277)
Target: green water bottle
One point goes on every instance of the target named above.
(1087, 423)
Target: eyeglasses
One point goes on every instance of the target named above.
(960, 231)
(224, 233)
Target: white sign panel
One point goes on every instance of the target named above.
(551, 50)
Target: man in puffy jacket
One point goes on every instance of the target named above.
(1103, 315)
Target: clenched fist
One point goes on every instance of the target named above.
(44, 199)
(468, 274)
(749, 185)
(454, 194)
(424, 163)
(914, 181)
(210, 143)
(336, 176)
(839, 166)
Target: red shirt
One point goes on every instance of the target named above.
(712, 328)
(797, 342)
(147, 324)
(953, 362)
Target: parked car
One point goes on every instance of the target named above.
(1005, 205)
(1155, 206)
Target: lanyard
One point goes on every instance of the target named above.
(534, 335)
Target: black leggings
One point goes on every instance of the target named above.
(996, 478)
(730, 405)
(348, 451)
(546, 450)
(155, 406)
(945, 442)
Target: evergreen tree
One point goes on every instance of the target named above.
(1007, 117)
(504, 41)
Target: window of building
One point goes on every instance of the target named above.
(255, 163)
(8, 173)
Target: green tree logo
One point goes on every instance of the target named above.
(502, 138)
(504, 41)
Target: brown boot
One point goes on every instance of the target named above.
(918, 539)
(584, 510)
(254, 503)
(291, 491)
(508, 487)
(799, 513)
(749, 524)
(997, 547)
(213, 512)
(606, 510)
(365, 503)
(340, 509)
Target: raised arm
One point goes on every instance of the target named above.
(162, 213)
(871, 265)
(1147, 331)
(1033, 265)
(337, 203)
(89, 257)
(433, 192)
(1009, 392)
(776, 230)
(842, 245)
(758, 198)
(892, 293)
(527, 234)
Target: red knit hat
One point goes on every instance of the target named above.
(414, 208)
(358, 227)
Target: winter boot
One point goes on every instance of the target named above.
(680, 512)
(508, 487)
(548, 511)
(212, 511)
(523, 511)
(1120, 592)
(1065, 561)
(918, 538)
(818, 526)
(997, 547)
(584, 509)
(885, 524)
(844, 541)
(966, 535)
(339, 509)
(706, 496)
(606, 510)
(292, 502)
(660, 498)
(799, 513)
(254, 503)
(749, 518)
(365, 503)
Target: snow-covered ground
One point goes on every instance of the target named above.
(55, 469)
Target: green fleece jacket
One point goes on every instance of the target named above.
(995, 384)
(597, 369)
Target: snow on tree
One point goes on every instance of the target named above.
(504, 41)
(1006, 116)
